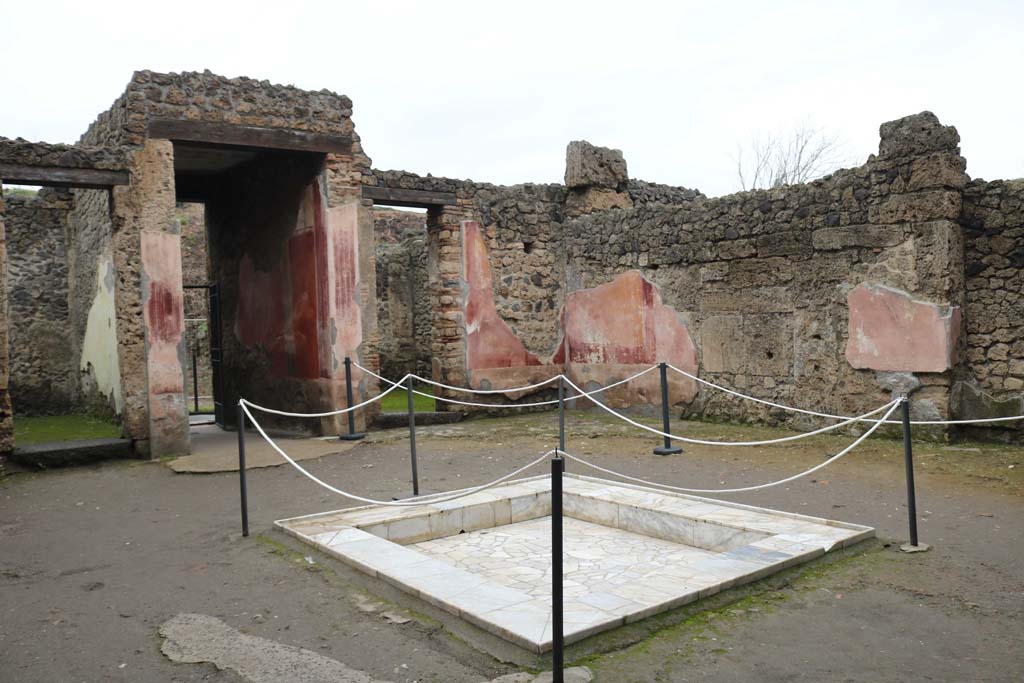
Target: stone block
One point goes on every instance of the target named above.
(937, 170)
(832, 239)
(589, 166)
(918, 207)
(916, 135)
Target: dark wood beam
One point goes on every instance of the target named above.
(59, 176)
(236, 135)
(423, 199)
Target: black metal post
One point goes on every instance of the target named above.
(195, 376)
(908, 457)
(561, 415)
(557, 630)
(352, 435)
(241, 471)
(412, 437)
(667, 448)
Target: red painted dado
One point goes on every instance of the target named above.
(890, 331)
(610, 332)
(261, 318)
(302, 269)
(490, 343)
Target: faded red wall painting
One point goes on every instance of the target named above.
(610, 332)
(163, 317)
(890, 331)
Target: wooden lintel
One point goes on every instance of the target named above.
(414, 198)
(236, 135)
(59, 176)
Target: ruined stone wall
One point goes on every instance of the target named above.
(993, 377)
(767, 281)
(41, 365)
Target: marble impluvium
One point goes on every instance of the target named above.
(629, 552)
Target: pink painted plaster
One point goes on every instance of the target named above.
(609, 332)
(490, 343)
(163, 315)
(163, 310)
(619, 328)
(890, 331)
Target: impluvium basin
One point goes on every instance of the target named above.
(629, 552)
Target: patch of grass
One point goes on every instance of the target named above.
(33, 430)
(398, 402)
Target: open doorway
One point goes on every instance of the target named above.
(403, 300)
(199, 370)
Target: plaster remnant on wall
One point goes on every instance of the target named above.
(99, 357)
(890, 331)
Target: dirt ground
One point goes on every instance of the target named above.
(94, 560)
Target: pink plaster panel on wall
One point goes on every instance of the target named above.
(609, 332)
(164, 321)
(490, 343)
(621, 327)
(890, 331)
(345, 323)
(163, 310)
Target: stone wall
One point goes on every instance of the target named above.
(788, 293)
(993, 377)
(42, 368)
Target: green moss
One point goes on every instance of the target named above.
(32, 430)
(398, 402)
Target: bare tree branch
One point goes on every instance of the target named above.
(805, 153)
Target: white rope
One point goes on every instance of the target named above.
(764, 442)
(325, 414)
(510, 405)
(469, 391)
(422, 500)
(817, 467)
(840, 417)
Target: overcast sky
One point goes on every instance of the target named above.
(494, 92)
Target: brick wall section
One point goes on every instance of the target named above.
(41, 365)
(993, 222)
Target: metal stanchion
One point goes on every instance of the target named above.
(241, 471)
(561, 415)
(352, 435)
(412, 437)
(667, 448)
(908, 459)
(557, 630)
(195, 377)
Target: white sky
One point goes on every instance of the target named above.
(494, 92)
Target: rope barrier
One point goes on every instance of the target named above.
(509, 405)
(464, 390)
(340, 411)
(764, 442)
(422, 500)
(840, 417)
(758, 487)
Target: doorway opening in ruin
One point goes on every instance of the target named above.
(403, 296)
(259, 315)
(199, 301)
(48, 404)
